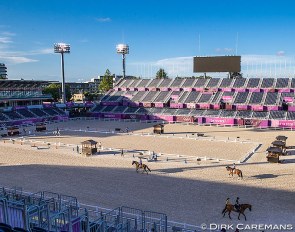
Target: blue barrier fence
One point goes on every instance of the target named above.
(49, 211)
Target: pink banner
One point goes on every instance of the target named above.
(176, 105)
(239, 90)
(216, 106)
(241, 107)
(191, 105)
(256, 122)
(227, 98)
(257, 108)
(204, 106)
(147, 104)
(199, 89)
(227, 89)
(288, 99)
(291, 108)
(112, 115)
(175, 89)
(286, 124)
(183, 118)
(284, 90)
(213, 89)
(272, 108)
(188, 89)
(220, 121)
(159, 105)
(168, 118)
(254, 90)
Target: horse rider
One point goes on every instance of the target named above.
(237, 204)
(140, 163)
(234, 166)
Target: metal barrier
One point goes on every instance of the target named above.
(134, 218)
(56, 212)
(154, 221)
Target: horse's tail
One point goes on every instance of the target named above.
(148, 169)
(250, 207)
(241, 174)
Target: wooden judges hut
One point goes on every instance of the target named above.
(159, 129)
(273, 155)
(89, 147)
(41, 126)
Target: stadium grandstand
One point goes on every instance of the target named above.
(22, 102)
(259, 102)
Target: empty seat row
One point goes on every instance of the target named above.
(208, 83)
(252, 98)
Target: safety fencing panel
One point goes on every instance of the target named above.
(54, 199)
(132, 218)
(38, 216)
(3, 218)
(16, 213)
(69, 202)
(112, 218)
(154, 221)
(59, 221)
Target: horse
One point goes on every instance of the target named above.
(229, 208)
(144, 167)
(233, 171)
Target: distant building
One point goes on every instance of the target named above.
(3, 71)
(78, 87)
(78, 97)
(22, 93)
(91, 86)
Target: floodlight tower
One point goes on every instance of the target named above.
(62, 48)
(123, 49)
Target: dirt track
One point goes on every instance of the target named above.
(190, 192)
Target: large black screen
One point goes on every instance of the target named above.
(217, 64)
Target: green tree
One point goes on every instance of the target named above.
(55, 90)
(107, 82)
(235, 75)
(161, 74)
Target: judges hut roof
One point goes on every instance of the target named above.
(281, 137)
(89, 141)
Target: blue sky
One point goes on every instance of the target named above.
(160, 34)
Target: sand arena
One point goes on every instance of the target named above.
(185, 189)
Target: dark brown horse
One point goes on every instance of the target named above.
(233, 171)
(229, 208)
(144, 167)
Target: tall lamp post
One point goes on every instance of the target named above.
(123, 49)
(62, 48)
